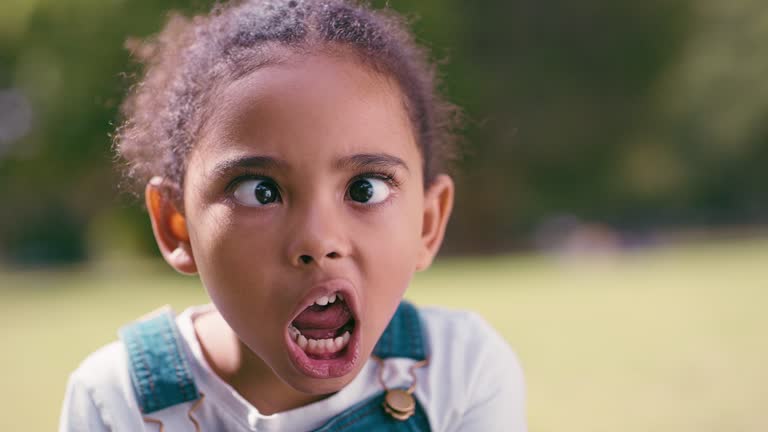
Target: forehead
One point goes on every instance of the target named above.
(310, 109)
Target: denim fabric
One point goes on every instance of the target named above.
(161, 376)
(369, 416)
(159, 370)
(402, 337)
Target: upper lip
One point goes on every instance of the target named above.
(326, 288)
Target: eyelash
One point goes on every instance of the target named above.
(387, 176)
(232, 185)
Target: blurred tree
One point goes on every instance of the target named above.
(553, 90)
(639, 114)
(68, 59)
(707, 135)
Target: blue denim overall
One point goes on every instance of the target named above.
(162, 378)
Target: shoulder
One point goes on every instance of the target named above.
(101, 369)
(100, 390)
(461, 331)
(461, 320)
(475, 373)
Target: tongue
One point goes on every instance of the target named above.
(319, 322)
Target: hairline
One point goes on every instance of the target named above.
(284, 54)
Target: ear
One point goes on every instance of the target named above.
(170, 227)
(438, 203)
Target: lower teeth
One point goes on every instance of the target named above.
(320, 346)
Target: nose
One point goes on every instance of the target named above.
(317, 237)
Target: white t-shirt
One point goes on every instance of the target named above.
(473, 383)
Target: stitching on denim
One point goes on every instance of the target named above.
(171, 350)
(130, 346)
(405, 324)
(161, 334)
(415, 423)
(355, 416)
(189, 391)
(354, 421)
(141, 354)
(153, 388)
(414, 339)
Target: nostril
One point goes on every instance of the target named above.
(306, 259)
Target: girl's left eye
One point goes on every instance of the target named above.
(369, 190)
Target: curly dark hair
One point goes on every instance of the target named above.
(191, 57)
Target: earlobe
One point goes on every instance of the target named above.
(169, 227)
(438, 204)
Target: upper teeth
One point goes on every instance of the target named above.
(324, 300)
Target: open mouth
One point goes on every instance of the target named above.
(322, 338)
(324, 329)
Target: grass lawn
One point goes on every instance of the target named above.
(672, 339)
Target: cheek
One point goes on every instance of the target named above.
(232, 258)
(238, 266)
(388, 277)
(399, 241)
(389, 243)
(390, 260)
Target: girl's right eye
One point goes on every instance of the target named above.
(256, 193)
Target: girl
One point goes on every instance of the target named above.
(293, 155)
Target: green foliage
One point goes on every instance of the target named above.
(709, 117)
(639, 114)
(68, 59)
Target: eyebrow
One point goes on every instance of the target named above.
(355, 162)
(258, 162)
(369, 160)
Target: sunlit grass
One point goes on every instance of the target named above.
(670, 339)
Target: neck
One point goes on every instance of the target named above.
(242, 369)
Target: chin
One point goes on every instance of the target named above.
(314, 386)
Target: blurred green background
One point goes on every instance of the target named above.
(611, 218)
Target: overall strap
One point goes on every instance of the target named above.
(159, 370)
(369, 416)
(402, 338)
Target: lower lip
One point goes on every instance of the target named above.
(325, 368)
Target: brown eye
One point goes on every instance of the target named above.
(369, 190)
(256, 193)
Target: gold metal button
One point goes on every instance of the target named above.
(396, 415)
(399, 404)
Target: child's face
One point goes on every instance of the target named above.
(307, 183)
